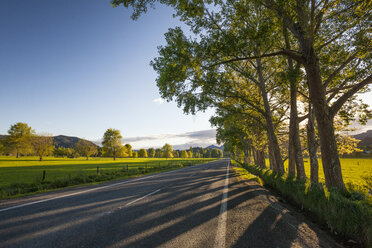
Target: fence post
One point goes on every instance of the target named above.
(44, 172)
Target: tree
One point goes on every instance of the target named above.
(158, 153)
(167, 151)
(176, 154)
(217, 153)
(19, 139)
(151, 152)
(42, 145)
(86, 148)
(135, 154)
(191, 152)
(2, 148)
(142, 153)
(112, 142)
(329, 40)
(207, 153)
(184, 154)
(128, 150)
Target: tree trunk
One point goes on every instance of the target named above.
(41, 158)
(261, 159)
(312, 147)
(275, 157)
(17, 155)
(328, 145)
(296, 160)
(291, 155)
(295, 132)
(254, 156)
(247, 158)
(87, 157)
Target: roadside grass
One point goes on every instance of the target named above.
(347, 214)
(23, 176)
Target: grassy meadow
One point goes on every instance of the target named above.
(353, 169)
(24, 175)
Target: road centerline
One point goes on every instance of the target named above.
(220, 240)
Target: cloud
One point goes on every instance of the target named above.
(201, 138)
(158, 101)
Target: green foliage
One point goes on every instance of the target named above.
(184, 154)
(142, 153)
(217, 153)
(42, 145)
(158, 153)
(151, 152)
(128, 150)
(19, 139)
(112, 142)
(86, 148)
(135, 154)
(167, 151)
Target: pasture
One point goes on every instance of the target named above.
(29, 169)
(353, 169)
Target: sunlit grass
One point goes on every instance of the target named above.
(30, 169)
(353, 169)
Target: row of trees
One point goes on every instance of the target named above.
(22, 140)
(267, 66)
(112, 146)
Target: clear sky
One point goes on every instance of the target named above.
(79, 67)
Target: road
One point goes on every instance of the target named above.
(200, 206)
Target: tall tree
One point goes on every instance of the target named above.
(20, 137)
(42, 145)
(167, 151)
(128, 148)
(158, 153)
(331, 43)
(151, 152)
(112, 142)
(142, 153)
(184, 154)
(86, 148)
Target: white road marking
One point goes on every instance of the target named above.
(94, 189)
(220, 239)
(143, 197)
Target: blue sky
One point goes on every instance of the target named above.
(79, 67)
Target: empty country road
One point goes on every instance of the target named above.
(199, 206)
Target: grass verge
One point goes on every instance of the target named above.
(347, 214)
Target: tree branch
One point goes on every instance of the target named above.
(339, 69)
(338, 104)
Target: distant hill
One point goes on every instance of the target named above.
(213, 146)
(61, 141)
(365, 138)
(67, 141)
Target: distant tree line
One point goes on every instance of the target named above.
(22, 140)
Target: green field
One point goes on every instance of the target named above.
(30, 170)
(353, 169)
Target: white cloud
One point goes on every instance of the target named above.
(158, 100)
(202, 138)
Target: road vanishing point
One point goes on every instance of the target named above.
(200, 206)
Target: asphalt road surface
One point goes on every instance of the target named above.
(200, 206)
